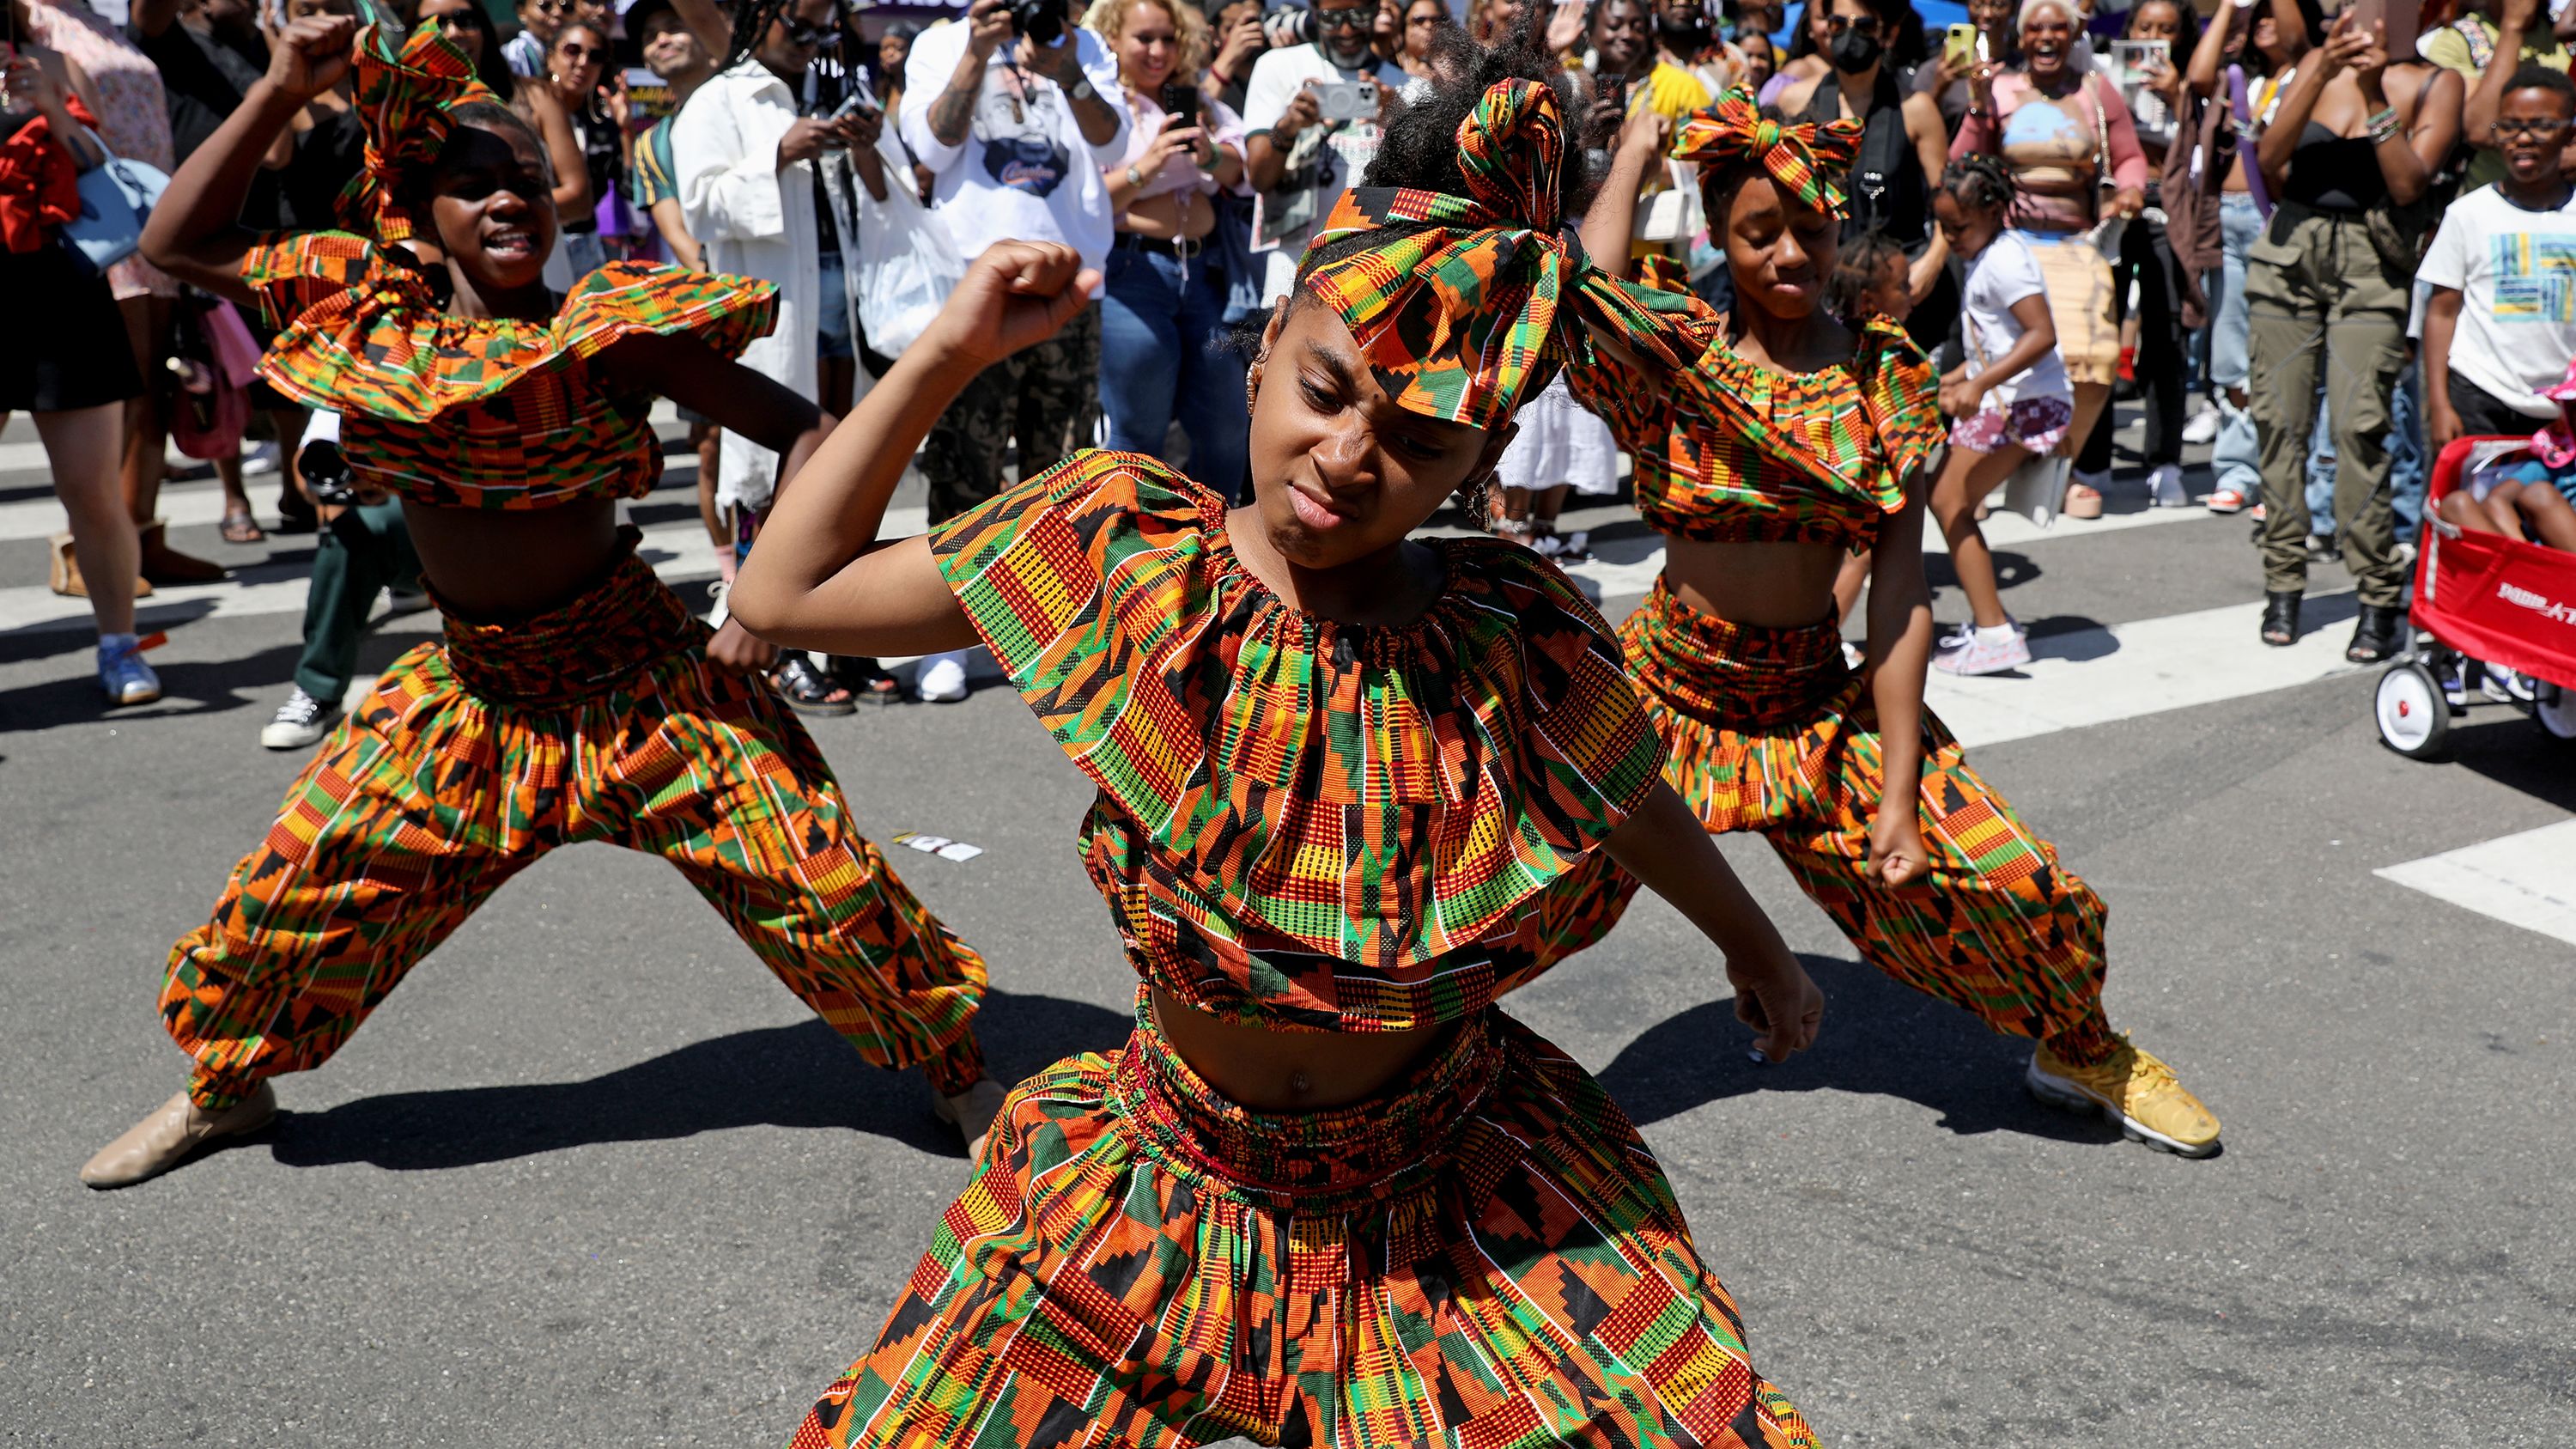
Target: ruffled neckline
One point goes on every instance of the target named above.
(1381, 793)
(1875, 474)
(384, 345)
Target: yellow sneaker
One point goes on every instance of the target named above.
(2133, 1088)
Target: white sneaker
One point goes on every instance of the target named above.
(404, 601)
(2164, 487)
(260, 459)
(2204, 426)
(942, 678)
(298, 723)
(1986, 651)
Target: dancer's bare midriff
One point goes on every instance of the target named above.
(495, 564)
(1765, 585)
(1289, 1071)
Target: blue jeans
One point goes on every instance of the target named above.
(2410, 468)
(1165, 354)
(2235, 461)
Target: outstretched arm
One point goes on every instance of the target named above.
(195, 233)
(818, 579)
(1667, 848)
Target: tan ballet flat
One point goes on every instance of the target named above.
(175, 1129)
(971, 1112)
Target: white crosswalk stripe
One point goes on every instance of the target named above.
(676, 550)
(2526, 880)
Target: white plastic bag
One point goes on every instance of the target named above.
(907, 264)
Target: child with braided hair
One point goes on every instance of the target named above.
(1792, 441)
(574, 697)
(2010, 397)
(1328, 1193)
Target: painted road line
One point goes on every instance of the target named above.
(676, 550)
(2152, 665)
(2526, 880)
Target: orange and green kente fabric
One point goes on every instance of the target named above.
(1302, 823)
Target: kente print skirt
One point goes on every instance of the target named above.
(1486, 1256)
(600, 720)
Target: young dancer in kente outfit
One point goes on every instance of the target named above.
(575, 698)
(1793, 441)
(1328, 1193)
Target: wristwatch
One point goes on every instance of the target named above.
(1081, 90)
(1135, 178)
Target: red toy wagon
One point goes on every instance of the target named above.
(2501, 602)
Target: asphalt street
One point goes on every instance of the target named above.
(592, 1177)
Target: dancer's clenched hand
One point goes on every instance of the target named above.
(737, 649)
(1016, 295)
(311, 55)
(1782, 1005)
(1896, 852)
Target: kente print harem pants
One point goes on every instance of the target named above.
(601, 720)
(1767, 730)
(1485, 1256)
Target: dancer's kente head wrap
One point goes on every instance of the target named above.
(405, 98)
(1457, 313)
(1802, 160)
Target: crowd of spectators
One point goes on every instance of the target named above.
(2227, 212)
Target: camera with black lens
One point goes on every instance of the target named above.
(326, 473)
(1040, 20)
(1287, 22)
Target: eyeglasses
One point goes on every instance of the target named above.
(2540, 126)
(803, 35)
(551, 7)
(579, 53)
(1424, 19)
(1354, 18)
(1837, 24)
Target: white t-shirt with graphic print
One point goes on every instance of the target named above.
(1024, 171)
(2515, 271)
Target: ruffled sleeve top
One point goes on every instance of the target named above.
(1730, 451)
(460, 412)
(1302, 824)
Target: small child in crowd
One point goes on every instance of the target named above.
(2499, 345)
(2010, 398)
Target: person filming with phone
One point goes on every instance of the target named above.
(1019, 115)
(1311, 125)
(1164, 347)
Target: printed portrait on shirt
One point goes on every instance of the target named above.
(1019, 135)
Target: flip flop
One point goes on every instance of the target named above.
(240, 526)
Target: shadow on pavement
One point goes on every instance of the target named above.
(1879, 1038)
(783, 1076)
(2503, 744)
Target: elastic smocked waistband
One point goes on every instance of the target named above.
(1318, 1161)
(623, 623)
(1741, 676)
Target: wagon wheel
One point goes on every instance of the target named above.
(2414, 719)
(2553, 708)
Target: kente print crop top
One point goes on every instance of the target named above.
(1301, 824)
(1732, 452)
(457, 412)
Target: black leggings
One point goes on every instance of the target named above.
(2146, 259)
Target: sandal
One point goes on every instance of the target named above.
(241, 526)
(2281, 619)
(2083, 500)
(865, 679)
(806, 692)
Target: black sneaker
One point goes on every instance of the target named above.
(298, 723)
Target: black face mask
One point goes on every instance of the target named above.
(1854, 50)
